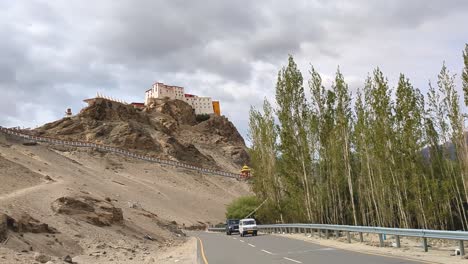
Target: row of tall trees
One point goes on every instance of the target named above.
(383, 156)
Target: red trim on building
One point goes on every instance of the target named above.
(138, 105)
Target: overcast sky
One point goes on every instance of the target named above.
(54, 54)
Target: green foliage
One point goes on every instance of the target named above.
(295, 162)
(387, 157)
(465, 74)
(241, 207)
(263, 135)
(202, 117)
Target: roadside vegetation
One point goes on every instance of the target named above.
(384, 156)
(241, 207)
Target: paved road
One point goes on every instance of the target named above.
(265, 249)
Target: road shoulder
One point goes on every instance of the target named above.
(409, 253)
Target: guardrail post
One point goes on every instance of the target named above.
(327, 234)
(425, 244)
(348, 234)
(319, 233)
(462, 248)
(337, 233)
(381, 240)
(398, 244)
(361, 238)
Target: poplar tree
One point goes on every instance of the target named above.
(381, 122)
(446, 84)
(263, 153)
(409, 109)
(295, 159)
(343, 134)
(465, 74)
(318, 139)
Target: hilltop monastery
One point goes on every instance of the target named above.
(201, 104)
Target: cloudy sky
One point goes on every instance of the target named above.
(53, 54)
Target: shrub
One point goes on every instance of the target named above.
(241, 207)
(202, 117)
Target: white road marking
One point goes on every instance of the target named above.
(310, 250)
(293, 260)
(234, 238)
(327, 249)
(268, 252)
(241, 240)
(251, 245)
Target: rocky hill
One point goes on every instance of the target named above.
(165, 129)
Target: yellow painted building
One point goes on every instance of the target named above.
(217, 108)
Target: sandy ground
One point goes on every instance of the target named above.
(154, 199)
(184, 254)
(439, 251)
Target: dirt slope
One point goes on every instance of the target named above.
(80, 194)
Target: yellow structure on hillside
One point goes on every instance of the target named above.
(216, 108)
(245, 172)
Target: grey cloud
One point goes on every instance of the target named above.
(60, 52)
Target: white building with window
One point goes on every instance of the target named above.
(160, 90)
(201, 105)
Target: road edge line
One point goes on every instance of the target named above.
(202, 250)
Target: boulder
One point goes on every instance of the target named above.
(24, 223)
(68, 259)
(94, 211)
(41, 258)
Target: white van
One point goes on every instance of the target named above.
(247, 226)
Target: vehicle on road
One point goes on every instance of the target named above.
(232, 226)
(247, 226)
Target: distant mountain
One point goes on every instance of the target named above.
(449, 147)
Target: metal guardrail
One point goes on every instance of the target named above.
(20, 134)
(216, 229)
(327, 230)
